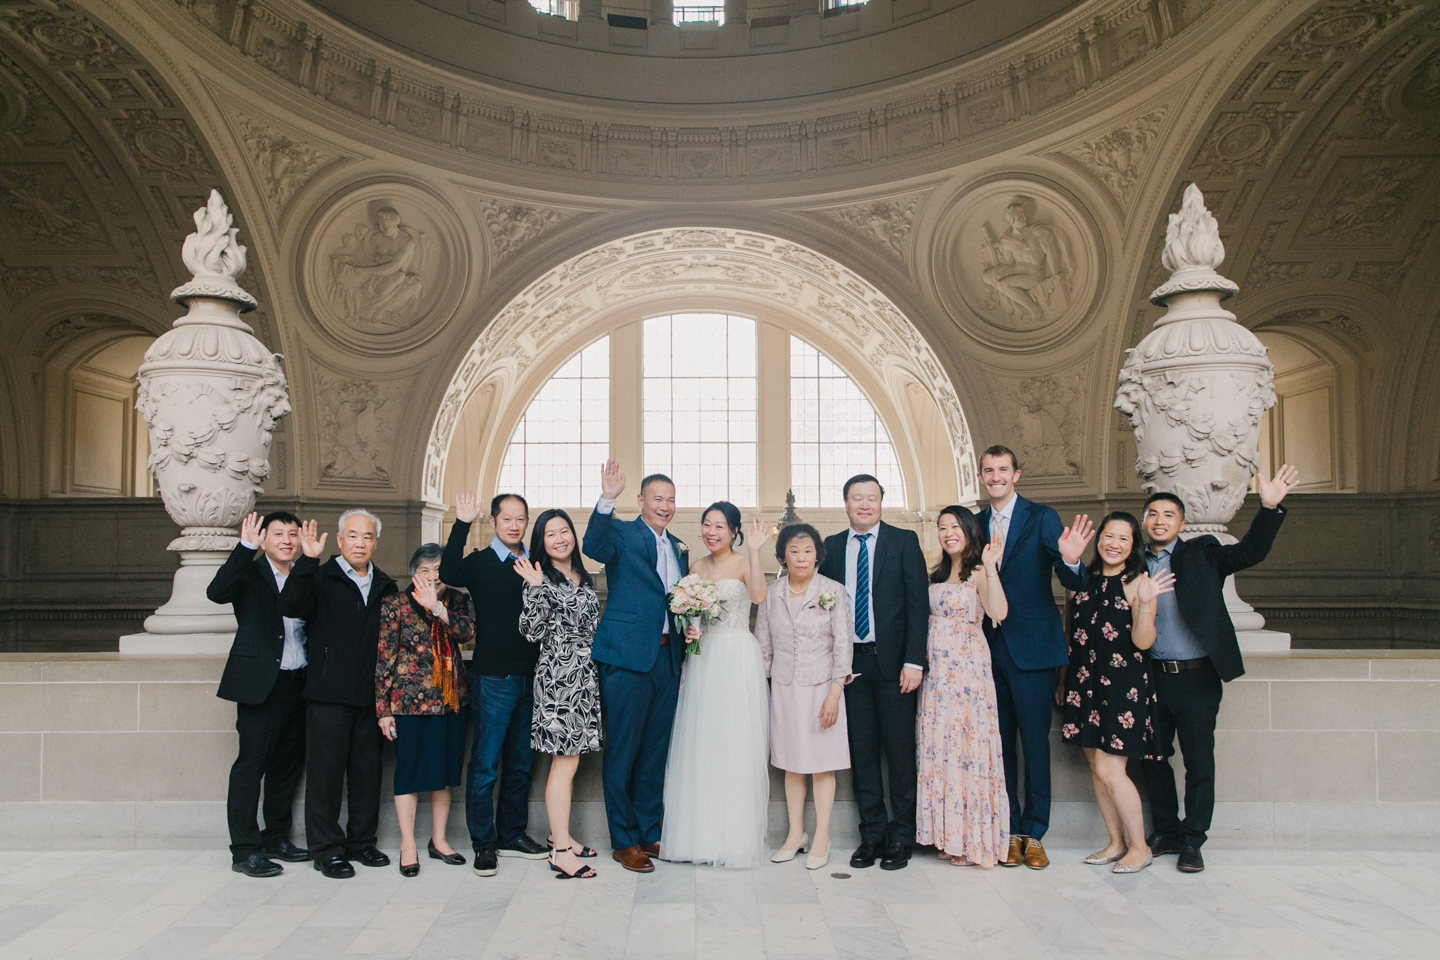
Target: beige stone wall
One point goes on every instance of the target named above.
(1313, 749)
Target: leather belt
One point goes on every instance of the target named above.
(664, 639)
(865, 650)
(1175, 666)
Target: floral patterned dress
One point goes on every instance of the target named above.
(561, 617)
(1108, 694)
(962, 807)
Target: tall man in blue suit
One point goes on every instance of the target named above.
(1030, 644)
(639, 653)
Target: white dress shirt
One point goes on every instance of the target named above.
(852, 554)
(667, 564)
(293, 655)
(362, 582)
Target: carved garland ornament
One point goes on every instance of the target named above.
(560, 302)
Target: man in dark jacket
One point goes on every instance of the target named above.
(265, 677)
(1195, 651)
(884, 573)
(340, 604)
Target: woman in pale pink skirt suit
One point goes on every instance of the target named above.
(962, 808)
(805, 638)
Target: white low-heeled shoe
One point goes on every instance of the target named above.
(813, 862)
(785, 856)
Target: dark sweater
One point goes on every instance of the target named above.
(497, 594)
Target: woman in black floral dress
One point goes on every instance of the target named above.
(560, 613)
(1107, 690)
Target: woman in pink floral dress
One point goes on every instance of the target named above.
(962, 808)
(1108, 695)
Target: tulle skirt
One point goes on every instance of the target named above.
(717, 778)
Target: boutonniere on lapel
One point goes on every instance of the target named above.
(681, 548)
(827, 600)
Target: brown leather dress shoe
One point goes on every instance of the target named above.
(634, 860)
(651, 849)
(1016, 854)
(1035, 857)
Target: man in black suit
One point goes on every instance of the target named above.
(340, 604)
(265, 678)
(884, 572)
(1195, 651)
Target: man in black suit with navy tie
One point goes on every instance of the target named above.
(265, 677)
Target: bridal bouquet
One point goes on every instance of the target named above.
(694, 600)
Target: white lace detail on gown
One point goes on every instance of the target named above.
(717, 778)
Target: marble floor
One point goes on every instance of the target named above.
(1314, 905)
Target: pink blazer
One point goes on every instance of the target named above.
(815, 645)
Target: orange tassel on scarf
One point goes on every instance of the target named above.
(442, 675)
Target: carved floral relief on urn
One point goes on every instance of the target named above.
(1196, 387)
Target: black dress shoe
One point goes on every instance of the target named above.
(897, 856)
(410, 869)
(287, 851)
(525, 848)
(454, 859)
(1190, 860)
(1161, 846)
(372, 857)
(256, 865)
(865, 855)
(336, 868)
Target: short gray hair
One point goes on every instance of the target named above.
(425, 553)
(357, 512)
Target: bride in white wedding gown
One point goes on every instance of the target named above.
(717, 778)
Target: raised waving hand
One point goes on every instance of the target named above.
(250, 531)
(1272, 491)
(467, 508)
(612, 481)
(1075, 538)
(309, 544)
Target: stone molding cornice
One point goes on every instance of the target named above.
(1092, 46)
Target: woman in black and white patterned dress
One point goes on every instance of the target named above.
(560, 613)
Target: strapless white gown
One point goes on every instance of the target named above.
(717, 778)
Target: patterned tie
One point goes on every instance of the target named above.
(997, 531)
(862, 588)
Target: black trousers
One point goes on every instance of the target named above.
(881, 720)
(1188, 703)
(342, 759)
(272, 751)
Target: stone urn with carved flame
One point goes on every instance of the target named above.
(1195, 389)
(210, 394)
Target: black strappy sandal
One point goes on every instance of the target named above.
(586, 872)
(584, 853)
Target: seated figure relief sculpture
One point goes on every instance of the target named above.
(375, 281)
(1029, 267)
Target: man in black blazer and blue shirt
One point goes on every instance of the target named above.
(265, 677)
(1195, 652)
(1027, 647)
(883, 570)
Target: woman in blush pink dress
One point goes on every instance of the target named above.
(961, 805)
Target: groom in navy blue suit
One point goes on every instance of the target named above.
(639, 653)
(1027, 647)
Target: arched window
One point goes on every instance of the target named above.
(700, 392)
(557, 448)
(835, 432)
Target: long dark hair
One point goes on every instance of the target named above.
(731, 513)
(544, 561)
(1135, 563)
(970, 555)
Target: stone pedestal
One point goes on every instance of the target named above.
(1195, 389)
(210, 394)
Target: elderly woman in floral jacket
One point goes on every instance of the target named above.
(420, 690)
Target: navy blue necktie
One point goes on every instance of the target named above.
(862, 588)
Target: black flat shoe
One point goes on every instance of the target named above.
(287, 851)
(256, 865)
(1161, 846)
(1190, 860)
(897, 857)
(372, 857)
(412, 869)
(586, 872)
(454, 859)
(865, 855)
(336, 868)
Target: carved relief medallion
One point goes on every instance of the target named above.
(1018, 264)
(383, 266)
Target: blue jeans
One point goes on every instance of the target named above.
(500, 708)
